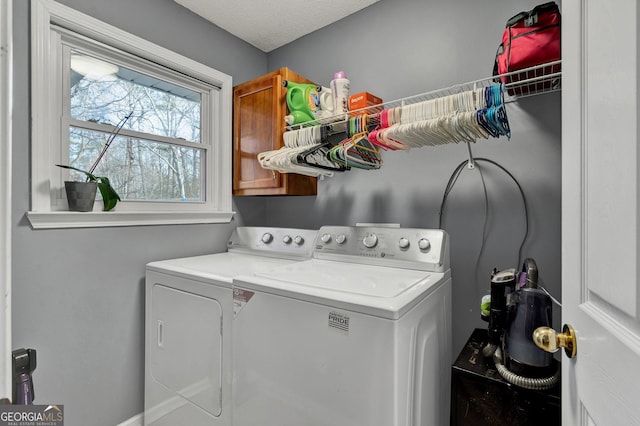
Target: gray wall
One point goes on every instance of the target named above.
(87, 325)
(400, 48)
(88, 328)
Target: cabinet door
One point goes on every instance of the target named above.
(257, 122)
(258, 125)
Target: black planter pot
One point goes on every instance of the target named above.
(81, 195)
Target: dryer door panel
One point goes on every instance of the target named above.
(186, 353)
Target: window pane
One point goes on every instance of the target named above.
(139, 169)
(102, 92)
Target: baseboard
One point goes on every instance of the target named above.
(137, 420)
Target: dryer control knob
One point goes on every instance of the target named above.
(326, 238)
(370, 240)
(424, 244)
(267, 238)
(404, 243)
(287, 239)
(341, 239)
(298, 240)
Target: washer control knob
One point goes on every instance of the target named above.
(424, 244)
(298, 240)
(287, 239)
(326, 238)
(341, 239)
(370, 240)
(267, 238)
(403, 243)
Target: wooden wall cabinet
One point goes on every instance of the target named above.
(259, 108)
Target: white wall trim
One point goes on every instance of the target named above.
(65, 219)
(6, 102)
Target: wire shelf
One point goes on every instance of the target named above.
(545, 78)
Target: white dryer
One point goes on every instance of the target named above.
(359, 335)
(189, 310)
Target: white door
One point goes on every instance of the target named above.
(601, 211)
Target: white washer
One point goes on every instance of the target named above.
(189, 309)
(360, 335)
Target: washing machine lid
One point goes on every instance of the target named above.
(219, 268)
(375, 290)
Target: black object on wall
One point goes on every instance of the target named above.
(23, 364)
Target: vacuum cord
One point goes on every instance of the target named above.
(524, 382)
(454, 178)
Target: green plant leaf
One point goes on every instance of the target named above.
(109, 195)
(90, 177)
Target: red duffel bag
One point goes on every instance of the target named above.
(531, 38)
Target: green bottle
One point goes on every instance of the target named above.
(303, 101)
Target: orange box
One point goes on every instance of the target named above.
(364, 100)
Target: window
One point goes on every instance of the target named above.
(166, 117)
(158, 153)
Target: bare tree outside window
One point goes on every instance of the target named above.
(155, 157)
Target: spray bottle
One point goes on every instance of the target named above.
(340, 90)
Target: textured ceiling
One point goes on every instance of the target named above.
(270, 24)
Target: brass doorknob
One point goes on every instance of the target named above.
(549, 340)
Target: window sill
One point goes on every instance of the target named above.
(67, 219)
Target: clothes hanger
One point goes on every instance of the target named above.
(357, 152)
(297, 141)
(319, 156)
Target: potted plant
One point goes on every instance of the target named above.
(81, 195)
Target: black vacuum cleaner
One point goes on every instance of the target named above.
(517, 308)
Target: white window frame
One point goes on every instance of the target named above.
(47, 117)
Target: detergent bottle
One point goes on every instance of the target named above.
(297, 117)
(327, 103)
(340, 89)
(303, 101)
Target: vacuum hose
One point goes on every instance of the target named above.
(524, 382)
